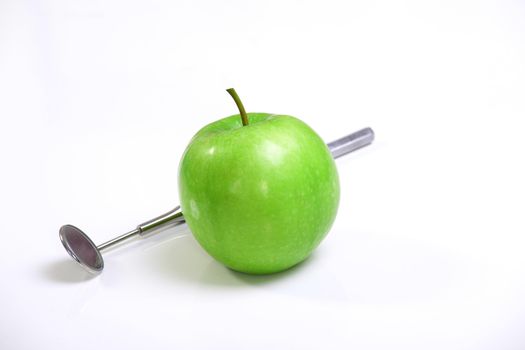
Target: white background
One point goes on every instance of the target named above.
(98, 99)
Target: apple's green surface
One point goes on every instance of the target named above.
(258, 198)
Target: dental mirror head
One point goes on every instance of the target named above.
(81, 248)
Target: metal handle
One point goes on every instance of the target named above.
(173, 216)
(351, 142)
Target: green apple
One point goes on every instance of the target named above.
(259, 191)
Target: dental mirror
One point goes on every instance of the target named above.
(89, 255)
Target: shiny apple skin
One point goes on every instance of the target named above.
(258, 198)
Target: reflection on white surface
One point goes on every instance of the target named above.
(66, 271)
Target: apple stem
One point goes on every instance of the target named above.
(238, 102)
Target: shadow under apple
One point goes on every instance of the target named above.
(181, 258)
